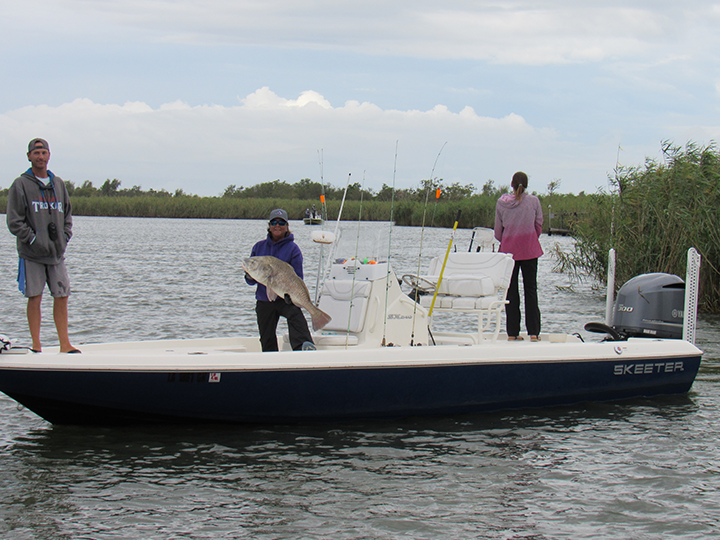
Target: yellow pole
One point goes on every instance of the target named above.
(442, 270)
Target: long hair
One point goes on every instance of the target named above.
(519, 183)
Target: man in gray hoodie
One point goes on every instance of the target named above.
(39, 215)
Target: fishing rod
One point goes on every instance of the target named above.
(357, 244)
(442, 269)
(422, 237)
(387, 275)
(323, 206)
(619, 189)
(337, 223)
(342, 203)
(427, 198)
(323, 215)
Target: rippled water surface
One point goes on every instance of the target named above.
(640, 469)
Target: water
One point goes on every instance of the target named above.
(641, 469)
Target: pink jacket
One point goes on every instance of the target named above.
(518, 225)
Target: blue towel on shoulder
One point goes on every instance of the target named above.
(21, 276)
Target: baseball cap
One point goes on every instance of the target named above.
(38, 143)
(278, 213)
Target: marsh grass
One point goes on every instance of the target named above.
(656, 213)
(477, 211)
(410, 207)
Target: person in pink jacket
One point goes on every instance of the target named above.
(518, 224)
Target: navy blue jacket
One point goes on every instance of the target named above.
(284, 249)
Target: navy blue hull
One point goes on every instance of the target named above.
(289, 396)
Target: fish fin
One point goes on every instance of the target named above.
(271, 294)
(288, 300)
(319, 319)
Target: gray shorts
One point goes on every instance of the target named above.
(55, 275)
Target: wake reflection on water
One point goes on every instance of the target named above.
(640, 469)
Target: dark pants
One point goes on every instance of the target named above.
(268, 315)
(532, 311)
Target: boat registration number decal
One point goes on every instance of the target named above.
(647, 369)
(194, 377)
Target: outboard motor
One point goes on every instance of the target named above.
(648, 305)
(651, 305)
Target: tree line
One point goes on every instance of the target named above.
(302, 189)
(431, 202)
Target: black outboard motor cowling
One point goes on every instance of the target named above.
(650, 305)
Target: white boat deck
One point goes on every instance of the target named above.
(237, 354)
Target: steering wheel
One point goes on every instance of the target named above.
(420, 283)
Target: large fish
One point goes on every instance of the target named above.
(282, 281)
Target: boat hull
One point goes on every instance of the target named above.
(296, 387)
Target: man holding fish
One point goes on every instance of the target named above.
(275, 265)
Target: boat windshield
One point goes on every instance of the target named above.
(368, 242)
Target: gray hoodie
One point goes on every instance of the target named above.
(31, 208)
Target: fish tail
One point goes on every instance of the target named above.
(319, 318)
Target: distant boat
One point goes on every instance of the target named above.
(312, 221)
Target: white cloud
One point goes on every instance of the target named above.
(203, 149)
(265, 99)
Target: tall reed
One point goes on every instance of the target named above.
(654, 215)
(477, 210)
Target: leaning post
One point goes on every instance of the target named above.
(692, 284)
(610, 296)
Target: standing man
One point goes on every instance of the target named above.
(39, 215)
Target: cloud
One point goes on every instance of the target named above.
(203, 149)
(200, 95)
(265, 99)
(512, 32)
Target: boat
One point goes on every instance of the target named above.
(313, 221)
(381, 356)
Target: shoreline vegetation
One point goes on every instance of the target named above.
(651, 217)
(408, 207)
(651, 214)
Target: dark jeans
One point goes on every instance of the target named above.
(532, 311)
(268, 315)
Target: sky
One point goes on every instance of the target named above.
(200, 95)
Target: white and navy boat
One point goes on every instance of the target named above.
(380, 357)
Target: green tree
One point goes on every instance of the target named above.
(110, 187)
(307, 189)
(553, 186)
(457, 192)
(86, 190)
